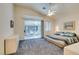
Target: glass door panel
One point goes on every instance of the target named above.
(32, 29)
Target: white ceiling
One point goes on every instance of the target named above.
(59, 7)
(38, 7)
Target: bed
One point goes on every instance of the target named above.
(62, 39)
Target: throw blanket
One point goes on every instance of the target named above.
(68, 40)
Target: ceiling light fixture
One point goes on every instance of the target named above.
(51, 10)
(44, 8)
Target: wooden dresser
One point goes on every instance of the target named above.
(9, 45)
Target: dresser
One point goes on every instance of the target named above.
(9, 45)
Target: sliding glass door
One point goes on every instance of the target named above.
(32, 29)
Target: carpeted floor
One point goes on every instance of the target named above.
(38, 47)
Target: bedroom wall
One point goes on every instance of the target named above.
(70, 13)
(19, 13)
(6, 14)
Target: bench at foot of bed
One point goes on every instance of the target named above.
(72, 49)
(58, 43)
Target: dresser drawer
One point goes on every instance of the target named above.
(1, 46)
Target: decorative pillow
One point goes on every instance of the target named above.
(59, 33)
(69, 34)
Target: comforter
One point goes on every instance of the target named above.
(68, 40)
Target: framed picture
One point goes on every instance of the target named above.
(11, 24)
(70, 25)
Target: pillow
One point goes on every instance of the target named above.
(59, 33)
(69, 34)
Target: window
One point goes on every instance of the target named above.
(47, 26)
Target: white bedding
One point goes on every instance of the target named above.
(68, 40)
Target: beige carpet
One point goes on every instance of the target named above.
(38, 47)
